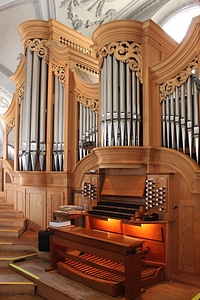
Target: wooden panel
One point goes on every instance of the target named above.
(124, 185)
(36, 209)
(109, 225)
(148, 231)
(190, 236)
(54, 200)
(9, 193)
(20, 203)
(154, 237)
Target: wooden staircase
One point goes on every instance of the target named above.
(12, 226)
(12, 223)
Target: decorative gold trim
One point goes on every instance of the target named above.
(38, 46)
(93, 104)
(127, 52)
(168, 87)
(59, 71)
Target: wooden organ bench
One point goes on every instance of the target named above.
(108, 262)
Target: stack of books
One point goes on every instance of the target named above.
(59, 223)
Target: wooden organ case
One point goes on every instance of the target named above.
(146, 153)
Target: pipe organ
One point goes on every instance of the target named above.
(119, 106)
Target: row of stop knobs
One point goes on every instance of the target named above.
(89, 190)
(155, 195)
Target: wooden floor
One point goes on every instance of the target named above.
(162, 291)
(76, 291)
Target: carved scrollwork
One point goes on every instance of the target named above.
(38, 46)
(10, 126)
(126, 52)
(59, 71)
(21, 93)
(93, 104)
(168, 87)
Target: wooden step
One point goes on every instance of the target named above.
(6, 205)
(7, 257)
(12, 222)
(11, 231)
(10, 213)
(13, 283)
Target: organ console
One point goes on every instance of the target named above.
(117, 252)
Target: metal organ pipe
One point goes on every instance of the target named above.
(27, 111)
(35, 111)
(55, 127)
(103, 103)
(122, 102)
(109, 98)
(115, 101)
(189, 114)
(128, 104)
(134, 108)
(80, 129)
(163, 125)
(20, 153)
(177, 118)
(196, 122)
(172, 121)
(42, 126)
(138, 113)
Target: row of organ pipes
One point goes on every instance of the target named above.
(180, 119)
(88, 130)
(120, 115)
(32, 133)
(33, 119)
(120, 104)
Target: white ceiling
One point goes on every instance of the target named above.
(81, 15)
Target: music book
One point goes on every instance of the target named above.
(59, 223)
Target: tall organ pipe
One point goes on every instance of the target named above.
(27, 111)
(138, 112)
(122, 102)
(172, 121)
(42, 123)
(35, 111)
(128, 103)
(177, 118)
(109, 99)
(189, 114)
(115, 100)
(183, 117)
(196, 123)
